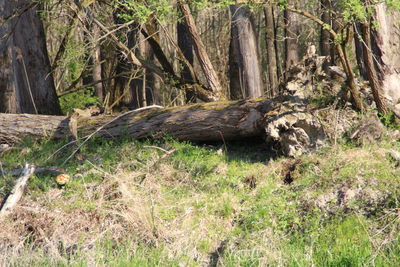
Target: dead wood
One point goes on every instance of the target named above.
(38, 170)
(17, 191)
(284, 120)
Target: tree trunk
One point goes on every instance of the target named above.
(385, 46)
(245, 73)
(271, 50)
(292, 31)
(26, 82)
(370, 69)
(325, 39)
(185, 44)
(201, 53)
(121, 94)
(358, 43)
(282, 120)
(97, 71)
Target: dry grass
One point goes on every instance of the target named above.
(125, 206)
(199, 208)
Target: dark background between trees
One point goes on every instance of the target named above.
(59, 55)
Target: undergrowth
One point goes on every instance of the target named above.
(169, 203)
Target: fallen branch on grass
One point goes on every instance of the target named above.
(39, 170)
(17, 192)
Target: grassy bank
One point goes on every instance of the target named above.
(169, 203)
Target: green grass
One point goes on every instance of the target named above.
(137, 206)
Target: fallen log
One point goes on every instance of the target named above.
(284, 120)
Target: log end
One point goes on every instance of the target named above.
(294, 130)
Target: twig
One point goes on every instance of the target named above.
(159, 148)
(17, 191)
(61, 148)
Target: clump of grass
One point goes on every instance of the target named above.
(131, 203)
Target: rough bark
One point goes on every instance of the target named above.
(191, 86)
(325, 38)
(185, 44)
(283, 120)
(358, 44)
(121, 94)
(26, 82)
(292, 31)
(385, 46)
(370, 69)
(201, 53)
(271, 50)
(97, 71)
(245, 73)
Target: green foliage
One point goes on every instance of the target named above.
(393, 4)
(353, 10)
(142, 11)
(197, 161)
(203, 204)
(80, 99)
(390, 120)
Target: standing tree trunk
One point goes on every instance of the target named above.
(271, 50)
(325, 39)
(122, 95)
(201, 53)
(370, 69)
(385, 40)
(358, 44)
(292, 31)
(97, 71)
(185, 44)
(245, 73)
(26, 82)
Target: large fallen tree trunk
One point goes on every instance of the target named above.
(283, 120)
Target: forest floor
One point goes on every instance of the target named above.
(170, 203)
